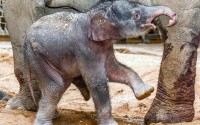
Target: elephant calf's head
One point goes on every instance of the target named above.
(124, 19)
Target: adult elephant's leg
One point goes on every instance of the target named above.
(175, 94)
(23, 99)
(19, 15)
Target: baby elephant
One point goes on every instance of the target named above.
(63, 46)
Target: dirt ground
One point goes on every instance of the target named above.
(144, 59)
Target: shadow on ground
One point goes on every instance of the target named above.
(70, 117)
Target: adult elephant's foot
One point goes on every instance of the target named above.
(24, 100)
(21, 102)
(169, 112)
(143, 90)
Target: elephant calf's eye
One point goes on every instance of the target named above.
(136, 16)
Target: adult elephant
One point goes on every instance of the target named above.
(175, 94)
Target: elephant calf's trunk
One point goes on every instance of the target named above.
(161, 10)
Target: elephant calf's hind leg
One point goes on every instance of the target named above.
(80, 84)
(52, 87)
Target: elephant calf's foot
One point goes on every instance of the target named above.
(43, 122)
(169, 112)
(21, 102)
(110, 122)
(142, 91)
(86, 94)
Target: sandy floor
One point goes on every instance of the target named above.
(144, 59)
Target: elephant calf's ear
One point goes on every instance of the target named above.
(102, 29)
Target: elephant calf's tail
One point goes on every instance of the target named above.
(28, 72)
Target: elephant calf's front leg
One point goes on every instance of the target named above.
(116, 72)
(93, 73)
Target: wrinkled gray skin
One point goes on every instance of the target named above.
(57, 55)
